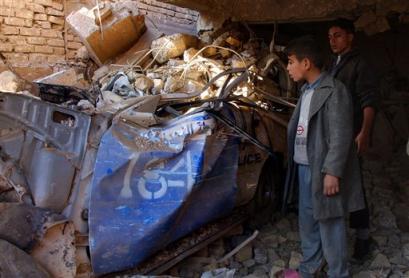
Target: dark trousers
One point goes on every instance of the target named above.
(360, 219)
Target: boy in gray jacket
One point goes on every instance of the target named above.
(322, 162)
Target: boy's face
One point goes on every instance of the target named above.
(340, 40)
(297, 69)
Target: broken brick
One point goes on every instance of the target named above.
(56, 20)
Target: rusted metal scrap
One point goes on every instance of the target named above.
(23, 225)
(55, 252)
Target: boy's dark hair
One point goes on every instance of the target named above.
(306, 48)
(344, 24)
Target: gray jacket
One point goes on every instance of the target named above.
(330, 151)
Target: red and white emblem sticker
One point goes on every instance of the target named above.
(300, 130)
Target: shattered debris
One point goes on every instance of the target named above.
(168, 47)
(120, 85)
(180, 75)
(176, 66)
(143, 83)
(219, 273)
(189, 54)
(11, 83)
(68, 77)
(158, 86)
(56, 251)
(82, 53)
(100, 73)
(233, 41)
(106, 31)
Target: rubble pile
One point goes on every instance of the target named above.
(107, 24)
(177, 66)
(179, 69)
(181, 66)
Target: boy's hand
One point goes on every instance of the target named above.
(331, 185)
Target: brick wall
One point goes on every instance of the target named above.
(33, 32)
(167, 12)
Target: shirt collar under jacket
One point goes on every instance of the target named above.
(313, 85)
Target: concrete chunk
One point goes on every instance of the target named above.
(119, 32)
(9, 82)
(189, 54)
(143, 83)
(172, 46)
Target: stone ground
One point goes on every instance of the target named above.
(277, 245)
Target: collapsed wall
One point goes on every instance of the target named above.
(34, 33)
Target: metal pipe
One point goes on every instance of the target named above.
(240, 246)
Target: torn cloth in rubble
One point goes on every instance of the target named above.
(148, 181)
(120, 85)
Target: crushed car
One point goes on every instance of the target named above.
(99, 180)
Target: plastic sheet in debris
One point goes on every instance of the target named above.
(155, 185)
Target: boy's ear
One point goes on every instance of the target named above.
(306, 63)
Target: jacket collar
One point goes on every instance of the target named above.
(353, 52)
(334, 69)
(326, 81)
(321, 93)
(313, 85)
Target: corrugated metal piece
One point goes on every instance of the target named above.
(48, 140)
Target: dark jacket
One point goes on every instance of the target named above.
(330, 151)
(360, 81)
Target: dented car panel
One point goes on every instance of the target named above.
(153, 186)
(130, 181)
(48, 142)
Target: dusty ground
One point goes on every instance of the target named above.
(277, 246)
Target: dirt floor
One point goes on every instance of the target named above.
(277, 245)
